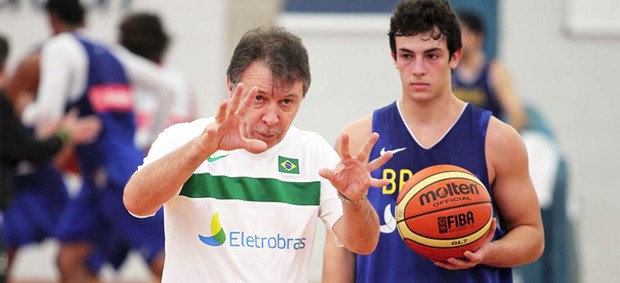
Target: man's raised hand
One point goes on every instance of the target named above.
(227, 132)
(351, 177)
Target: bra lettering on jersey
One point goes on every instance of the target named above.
(111, 98)
(397, 180)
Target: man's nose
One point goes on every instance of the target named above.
(418, 68)
(271, 117)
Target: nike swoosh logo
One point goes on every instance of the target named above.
(390, 221)
(213, 159)
(394, 151)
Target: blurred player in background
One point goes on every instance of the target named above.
(77, 71)
(144, 35)
(485, 82)
(33, 192)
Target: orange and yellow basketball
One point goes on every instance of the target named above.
(443, 211)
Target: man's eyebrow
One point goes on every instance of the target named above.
(402, 49)
(434, 49)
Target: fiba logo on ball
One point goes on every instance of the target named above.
(455, 222)
(443, 211)
(442, 224)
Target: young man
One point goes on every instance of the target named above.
(78, 72)
(241, 191)
(428, 125)
(482, 81)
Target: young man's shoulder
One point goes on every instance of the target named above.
(500, 132)
(361, 126)
(358, 132)
(503, 142)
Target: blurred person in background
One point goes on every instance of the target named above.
(144, 35)
(33, 194)
(77, 71)
(482, 81)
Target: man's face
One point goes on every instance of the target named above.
(273, 109)
(424, 65)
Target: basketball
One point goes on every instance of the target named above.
(443, 211)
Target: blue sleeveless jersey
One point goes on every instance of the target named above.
(463, 145)
(478, 91)
(112, 159)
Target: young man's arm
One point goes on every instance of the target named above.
(338, 262)
(516, 200)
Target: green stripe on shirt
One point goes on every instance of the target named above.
(252, 189)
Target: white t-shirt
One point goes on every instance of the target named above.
(246, 217)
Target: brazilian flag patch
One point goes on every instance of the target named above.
(288, 165)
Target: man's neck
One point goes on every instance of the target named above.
(430, 120)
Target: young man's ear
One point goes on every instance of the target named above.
(229, 86)
(456, 58)
(393, 54)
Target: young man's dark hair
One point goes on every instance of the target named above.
(441, 23)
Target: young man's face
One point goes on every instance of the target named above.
(274, 107)
(424, 65)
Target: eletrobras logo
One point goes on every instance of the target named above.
(218, 235)
(245, 239)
